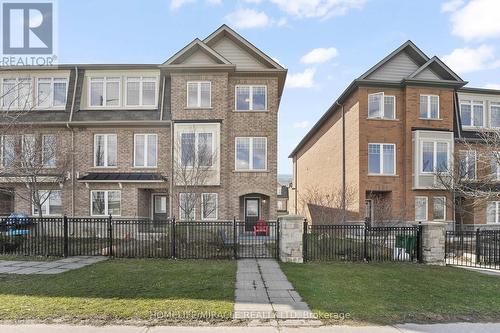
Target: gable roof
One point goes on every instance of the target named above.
(437, 67)
(190, 49)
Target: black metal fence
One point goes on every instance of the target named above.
(480, 248)
(361, 243)
(136, 238)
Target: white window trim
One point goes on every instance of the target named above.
(381, 155)
(2, 137)
(43, 151)
(250, 106)
(491, 105)
(46, 202)
(17, 84)
(381, 114)
(106, 203)
(106, 136)
(467, 161)
(216, 207)
(141, 80)
(434, 156)
(497, 214)
(429, 107)
(180, 206)
(196, 140)
(496, 175)
(51, 97)
(472, 103)
(250, 162)
(145, 166)
(444, 207)
(104, 80)
(426, 207)
(198, 104)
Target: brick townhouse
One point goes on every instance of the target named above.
(384, 142)
(131, 130)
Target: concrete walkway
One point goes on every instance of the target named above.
(264, 292)
(47, 267)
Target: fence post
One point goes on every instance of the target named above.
(173, 237)
(235, 239)
(277, 241)
(365, 242)
(419, 244)
(478, 246)
(110, 235)
(304, 241)
(65, 239)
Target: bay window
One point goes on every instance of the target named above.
(105, 150)
(51, 202)
(104, 91)
(381, 159)
(435, 156)
(199, 94)
(197, 147)
(381, 106)
(429, 106)
(209, 206)
(141, 91)
(145, 150)
(51, 92)
(421, 208)
(105, 203)
(251, 98)
(472, 113)
(251, 154)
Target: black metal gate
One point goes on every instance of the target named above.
(480, 248)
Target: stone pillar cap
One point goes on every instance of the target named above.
(292, 217)
(434, 223)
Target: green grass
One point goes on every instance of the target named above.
(123, 290)
(396, 293)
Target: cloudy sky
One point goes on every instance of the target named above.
(325, 44)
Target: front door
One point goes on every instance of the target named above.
(252, 212)
(160, 207)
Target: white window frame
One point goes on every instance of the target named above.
(492, 104)
(43, 151)
(180, 206)
(472, 103)
(381, 114)
(198, 102)
(104, 80)
(16, 105)
(426, 208)
(216, 207)
(145, 150)
(46, 203)
(51, 81)
(434, 156)
(106, 157)
(2, 137)
(141, 80)
(250, 162)
(434, 206)
(196, 141)
(106, 202)
(495, 175)
(250, 104)
(497, 212)
(429, 114)
(468, 161)
(381, 154)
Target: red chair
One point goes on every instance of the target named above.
(261, 228)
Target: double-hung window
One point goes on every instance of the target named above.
(381, 159)
(197, 148)
(17, 94)
(104, 91)
(251, 154)
(495, 115)
(51, 92)
(199, 94)
(421, 208)
(472, 113)
(49, 149)
(141, 91)
(493, 212)
(105, 203)
(429, 106)
(29, 151)
(251, 98)
(51, 202)
(209, 206)
(439, 208)
(381, 106)
(8, 151)
(467, 165)
(145, 150)
(187, 206)
(105, 150)
(434, 156)
(495, 165)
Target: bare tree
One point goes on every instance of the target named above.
(326, 206)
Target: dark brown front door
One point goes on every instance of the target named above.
(160, 209)
(252, 212)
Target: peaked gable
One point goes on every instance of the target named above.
(435, 69)
(197, 53)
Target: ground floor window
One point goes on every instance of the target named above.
(105, 203)
(209, 206)
(421, 208)
(51, 203)
(439, 208)
(187, 206)
(493, 212)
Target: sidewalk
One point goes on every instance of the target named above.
(48, 267)
(407, 328)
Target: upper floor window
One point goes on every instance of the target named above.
(472, 113)
(467, 164)
(429, 106)
(145, 146)
(251, 154)
(17, 94)
(435, 156)
(105, 203)
(29, 151)
(495, 165)
(197, 147)
(199, 94)
(251, 98)
(141, 91)
(209, 206)
(381, 106)
(381, 159)
(51, 92)
(105, 150)
(495, 114)
(49, 147)
(104, 91)
(51, 202)
(8, 150)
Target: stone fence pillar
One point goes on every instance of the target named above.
(291, 233)
(433, 242)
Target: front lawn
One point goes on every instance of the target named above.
(153, 291)
(396, 293)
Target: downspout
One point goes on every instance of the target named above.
(171, 201)
(343, 164)
(458, 120)
(295, 183)
(73, 144)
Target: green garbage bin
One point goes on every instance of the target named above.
(406, 242)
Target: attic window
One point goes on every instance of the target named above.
(381, 106)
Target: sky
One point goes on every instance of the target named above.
(324, 44)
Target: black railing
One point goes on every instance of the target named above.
(480, 248)
(361, 243)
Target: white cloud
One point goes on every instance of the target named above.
(467, 60)
(252, 1)
(301, 80)
(492, 86)
(452, 5)
(318, 8)
(214, 2)
(301, 124)
(478, 19)
(248, 18)
(176, 4)
(319, 55)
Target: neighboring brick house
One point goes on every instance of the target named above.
(130, 126)
(382, 144)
